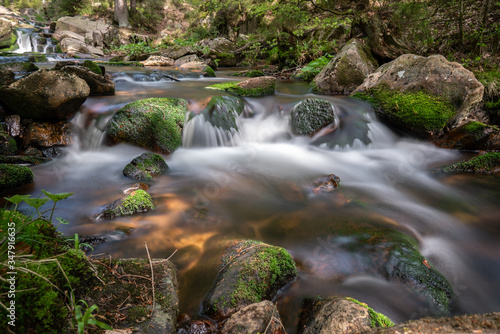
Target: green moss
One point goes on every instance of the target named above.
(58, 48)
(137, 314)
(481, 164)
(310, 115)
(38, 58)
(125, 63)
(221, 112)
(475, 128)
(19, 66)
(210, 72)
(418, 110)
(249, 74)
(376, 319)
(12, 176)
(235, 87)
(145, 166)
(154, 123)
(138, 201)
(92, 66)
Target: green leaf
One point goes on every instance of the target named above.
(16, 199)
(57, 197)
(62, 221)
(36, 202)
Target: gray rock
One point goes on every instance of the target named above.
(256, 318)
(98, 84)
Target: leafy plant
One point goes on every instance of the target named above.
(312, 69)
(83, 319)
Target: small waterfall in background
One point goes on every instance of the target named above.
(34, 40)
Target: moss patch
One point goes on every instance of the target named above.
(209, 72)
(247, 88)
(135, 202)
(485, 163)
(419, 111)
(249, 74)
(376, 319)
(145, 166)
(12, 176)
(154, 123)
(125, 63)
(475, 128)
(92, 66)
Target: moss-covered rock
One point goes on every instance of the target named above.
(23, 159)
(20, 67)
(209, 72)
(472, 136)
(145, 166)
(136, 202)
(254, 87)
(98, 84)
(339, 315)
(249, 73)
(92, 66)
(260, 317)
(221, 112)
(38, 58)
(250, 272)
(12, 176)
(154, 123)
(311, 115)
(485, 163)
(8, 145)
(347, 70)
(423, 95)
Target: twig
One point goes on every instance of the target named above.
(175, 251)
(152, 278)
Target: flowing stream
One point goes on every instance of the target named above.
(255, 187)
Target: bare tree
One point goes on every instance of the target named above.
(121, 13)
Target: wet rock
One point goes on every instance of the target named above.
(198, 66)
(250, 272)
(8, 145)
(347, 70)
(186, 60)
(249, 74)
(136, 202)
(311, 115)
(135, 187)
(338, 315)
(46, 95)
(145, 166)
(472, 136)
(53, 152)
(73, 46)
(366, 248)
(98, 83)
(461, 324)
(13, 176)
(325, 184)
(176, 52)
(221, 112)
(24, 159)
(7, 77)
(221, 49)
(18, 67)
(45, 135)
(254, 87)
(256, 318)
(423, 95)
(154, 123)
(485, 163)
(197, 327)
(158, 61)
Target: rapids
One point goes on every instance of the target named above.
(253, 187)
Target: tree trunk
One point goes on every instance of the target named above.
(461, 23)
(486, 12)
(133, 6)
(121, 13)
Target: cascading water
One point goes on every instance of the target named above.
(253, 184)
(30, 41)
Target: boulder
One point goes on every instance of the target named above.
(254, 87)
(378, 250)
(44, 135)
(98, 83)
(13, 176)
(472, 136)
(154, 123)
(311, 115)
(176, 52)
(256, 318)
(7, 77)
(192, 58)
(423, 95)
(135, 202)
(18, 67)
(250, 272)
(158, 61)
(6, 34)
(221, 49)
(62, 34)
(72, 46)
(347, 70)
(88, 29)
(487, 163)
(8, 145)
(46, 95)
(145, 166)
(13, 123)
(339, 315)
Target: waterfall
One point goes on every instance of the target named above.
(23, 41)
(29, 41)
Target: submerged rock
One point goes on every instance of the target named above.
(347, 70)
(486, 163)
(250, 272)
(338, 315)
(19, 67)
(13, 176)
(154, 123)
(145, 166)
(46, 95)
(311, 115)
(325, 184)
(254, 87)
(423, 95)
(256, 318)
(136, 202)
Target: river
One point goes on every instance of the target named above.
(255, 187)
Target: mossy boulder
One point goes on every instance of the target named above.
(423, 95)
(379, 250)
(19, 67)
(311, 115)
(136, 202)
(347, 70)
(145, 166)
(154, 123)
(472, 135)
(98, 83)
(220, 48)
(6, 33)
(250, 272)
(92, 66)
(254, 87)
(8, 145)
(13, 176)
(485, 163)
(221, 112)
(339, 315)
(46, 95)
